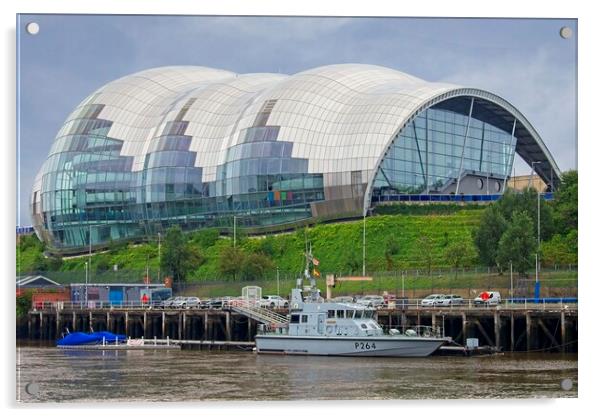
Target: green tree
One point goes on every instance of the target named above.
(526, 201)
(176, 258)
(353, 261)
(559, 250)
(256, 266)
(565, 203)
(488, 235)
(205, 238)
(391, 249)
(267, 246)
(23, 303)
(517, 244)
(230, 261)
(459, 253)
(103, 264)
(426, 250)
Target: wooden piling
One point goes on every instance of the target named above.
(180, 326)
(512, 332)
(127, 319)
(464, 329)
(563, 331)
(249, 335)
(58, 324)
(228, 328)
(496, 326)
(206, 329)
(144, 324)
(74, 322)
(528, 330)
(163, 325)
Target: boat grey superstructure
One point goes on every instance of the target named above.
(318, 327)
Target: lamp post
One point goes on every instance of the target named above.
(538, 225)
(86, 287)
(159, 271)
(89, 261)
(278, 281)
(364, 249)
(234, 231)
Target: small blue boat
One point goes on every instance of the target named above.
(94, 338)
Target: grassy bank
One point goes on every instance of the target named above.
(338, 246)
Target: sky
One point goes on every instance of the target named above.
(525, 61)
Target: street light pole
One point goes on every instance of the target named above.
(538, 233)
(538, 222)
(511, 284)
(364, 249)
(234, 231)
(159, 271)
(89, 263)
(278, 281)
(86, 288)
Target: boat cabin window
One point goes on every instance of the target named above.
(294, 318)
(349, 314)
(364, 326)
(340, 314)
(304, 318)
(330, 314)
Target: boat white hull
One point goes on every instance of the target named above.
(396, 346)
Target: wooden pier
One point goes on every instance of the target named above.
(552, 328)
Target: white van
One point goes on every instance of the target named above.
(489, 298)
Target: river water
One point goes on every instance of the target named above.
(46, 374)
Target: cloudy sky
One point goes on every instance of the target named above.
(523, 60)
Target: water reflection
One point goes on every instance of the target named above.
(201, 375)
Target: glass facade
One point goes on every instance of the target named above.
(91, 196)
(199, 147)
(441, 146)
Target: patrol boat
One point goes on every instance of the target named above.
(319, 327)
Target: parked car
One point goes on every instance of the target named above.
(344, 299)
(273, 301)
(218, 303)
(170, 302)
(192, 302)
(432, 300)
(488, 298)
(179, 302)
(450, 300)
(371, 301)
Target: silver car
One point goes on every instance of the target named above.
(450, 300)
(371, 301)
(432, 300)
(192, 302)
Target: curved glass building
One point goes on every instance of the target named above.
(202, 147)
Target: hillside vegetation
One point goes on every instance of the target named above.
(392, 242)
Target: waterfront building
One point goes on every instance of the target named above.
(200, 147)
